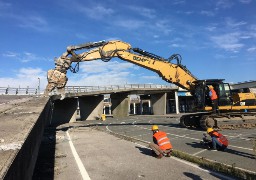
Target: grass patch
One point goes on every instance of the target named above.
(215, 166)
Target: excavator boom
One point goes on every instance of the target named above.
(105, 50)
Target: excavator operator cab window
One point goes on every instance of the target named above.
(199, 96)
(208, 101)
(224, 94)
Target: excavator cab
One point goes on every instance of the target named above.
(201, 93)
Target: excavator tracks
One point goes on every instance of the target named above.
(219, 121)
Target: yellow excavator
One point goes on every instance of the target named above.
(234, 110)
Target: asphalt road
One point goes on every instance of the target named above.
(104, 156)
(240, 151)
(97, 155)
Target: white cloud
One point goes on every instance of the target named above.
(252, 29)
(223, 4)
(100, 79)
(245, 1)
(150, 77)
(231, 23)
(252, 49)
(103, 73)
(211, 28)
(146, 12)
(29, 72)
(179, 2)
(163, 26)
(24, 57)
(10, 54)
(129, 23)
(245, 37)
(25, 77)
(95, 11)
(229, 42)
(177, 45)
(34, 22)
(207, 13)
(189, 12)
(98, 66)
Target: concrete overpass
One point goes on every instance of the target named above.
(89, 100)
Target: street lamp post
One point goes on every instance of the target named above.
(39, 86)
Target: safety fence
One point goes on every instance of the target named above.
(18, 91)
(79, 89)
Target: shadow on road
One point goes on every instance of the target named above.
(145, 151)
(192, 176)
(196, 145)
(239, 153)
(231, 151)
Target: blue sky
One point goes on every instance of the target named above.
(216, 38)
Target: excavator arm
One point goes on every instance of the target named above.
(105, 50)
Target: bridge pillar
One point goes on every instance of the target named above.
(91, 107)
(120, 104)
(158, 102)
(64, 111)
(177, 102)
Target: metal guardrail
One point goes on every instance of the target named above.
(18, 91)
(80, 89)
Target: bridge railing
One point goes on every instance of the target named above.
(77, 89)
(18, 91)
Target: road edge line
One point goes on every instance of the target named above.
(79, 163)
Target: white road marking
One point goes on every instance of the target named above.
(240, 147)
(199, 152)
(79, 163)
(126, 136)
(194, 165)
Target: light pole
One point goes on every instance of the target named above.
(39, 86)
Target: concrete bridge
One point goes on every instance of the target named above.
(89, 101)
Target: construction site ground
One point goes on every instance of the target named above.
(118, 149)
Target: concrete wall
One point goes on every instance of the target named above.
(120, 104)
(64, 111)
(158, 103)
(23, 164)
(91, 107)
